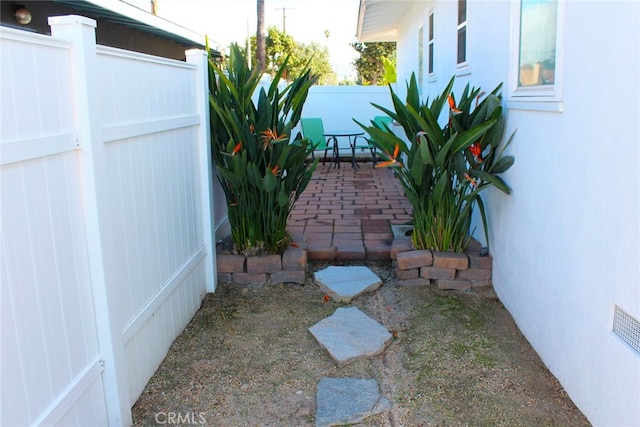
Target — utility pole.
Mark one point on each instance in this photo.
(284, 18)
(261, 55)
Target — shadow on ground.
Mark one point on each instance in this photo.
(457, 358)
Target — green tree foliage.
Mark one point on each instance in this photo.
(317, 58)
(370, 65)
(301, 56)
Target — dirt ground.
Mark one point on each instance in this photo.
(457, 359)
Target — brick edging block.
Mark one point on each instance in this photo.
(290, 267)
(448, 270)
(414, 259)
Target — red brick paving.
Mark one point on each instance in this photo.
(346, 213)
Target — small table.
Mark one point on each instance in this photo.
(353, 136)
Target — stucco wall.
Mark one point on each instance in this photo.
(566, 243)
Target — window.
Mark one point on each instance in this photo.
(535, 66)
(537, 52)
(430, 44)
(462, 31)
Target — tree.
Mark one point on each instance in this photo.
(279, 44)
(370, 64)
(260, 44)
(317, 58)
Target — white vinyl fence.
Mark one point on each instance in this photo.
(105, 230)
(339, 106)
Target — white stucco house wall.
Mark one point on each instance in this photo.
(566, 243)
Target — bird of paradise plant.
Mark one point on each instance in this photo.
(445, 168)
(261, 168)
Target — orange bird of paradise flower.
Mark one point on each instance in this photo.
(237, 148)
(269, 135)
(471, 180)
(393, 159)
(452, 104)
(476, 150)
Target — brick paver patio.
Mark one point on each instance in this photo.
(346, 213)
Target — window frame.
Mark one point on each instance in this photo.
(431, 53)
(462, 68)
(541, 97)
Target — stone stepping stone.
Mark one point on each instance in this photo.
(343, 401)
(349, 334)
(345, 283)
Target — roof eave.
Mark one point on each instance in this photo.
(131, 16)
(380, 20)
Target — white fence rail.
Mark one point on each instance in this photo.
(106, 242)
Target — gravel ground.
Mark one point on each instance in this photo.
(457, 359)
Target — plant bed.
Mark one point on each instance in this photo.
(260, 165)
(443, 170)
(446, 270)
(290, 267)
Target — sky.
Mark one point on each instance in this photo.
(227, 21)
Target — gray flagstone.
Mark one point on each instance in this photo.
(345, 283)
(349, 334)
(343, 401)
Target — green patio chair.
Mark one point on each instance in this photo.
(313, 129)
(366, 146)
(381, 122)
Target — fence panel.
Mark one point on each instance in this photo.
(51, 363)
(104, 222)
(154, 247)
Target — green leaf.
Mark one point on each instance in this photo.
(468, 137)
(460, 165)
(253, 175)
(431, 127)
(443, 155)
(425, 152)
(417, 167)
(502, 164)
(270, 181)
(495, 180)
(439, 102)
(229, 176)
(441, 185)
(283, 196)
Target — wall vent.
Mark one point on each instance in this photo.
(627, 328)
